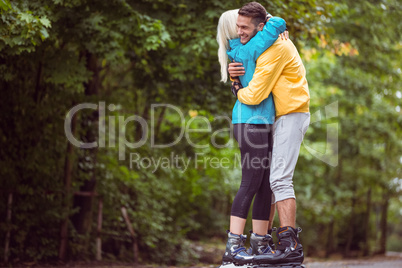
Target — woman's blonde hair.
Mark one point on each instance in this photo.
(227, 30)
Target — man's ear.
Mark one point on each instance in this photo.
(260, 26)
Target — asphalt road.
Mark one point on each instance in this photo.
(392, 260)
(356, 264)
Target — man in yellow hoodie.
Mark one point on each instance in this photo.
(280, 70)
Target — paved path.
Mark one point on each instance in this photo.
(394, 261)
(356, 264)
(390, 261)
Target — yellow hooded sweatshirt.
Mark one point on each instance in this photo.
(279, 70)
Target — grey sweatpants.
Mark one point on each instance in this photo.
(289, 132)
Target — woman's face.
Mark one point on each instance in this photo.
(246, 28)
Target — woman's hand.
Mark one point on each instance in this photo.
(237, 80)
(236, 86)
(268, 17)
(236, 69)
(285, 35)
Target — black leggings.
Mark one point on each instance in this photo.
(255, 142)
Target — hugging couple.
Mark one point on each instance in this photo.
(270, 118)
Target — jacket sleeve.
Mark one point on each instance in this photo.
(269, 68)
(264, 39)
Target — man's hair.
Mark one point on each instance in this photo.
(254, 10)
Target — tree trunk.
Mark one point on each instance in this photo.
(68, 169)
(352, 224)
(329, 247)
(145, 114)
(160, 119)
(383, 224)
(38, 82)
(366, 249)
(330, 236)
(132, 232)
(8, 222)
(83, 219)
(99, 231)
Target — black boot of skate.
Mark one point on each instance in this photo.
(271, 241)
(235, 251)
(289, 250)
(260, 244)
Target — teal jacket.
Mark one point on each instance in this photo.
(263, 113)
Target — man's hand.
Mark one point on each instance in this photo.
(285, 35)
(236, 69)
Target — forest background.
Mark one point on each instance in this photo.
(152, 65)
